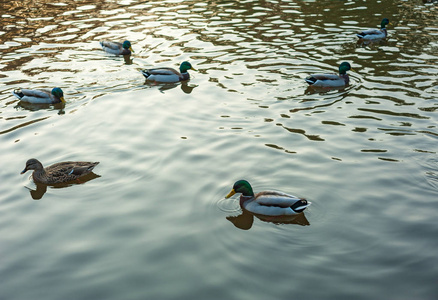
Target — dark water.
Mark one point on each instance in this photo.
(155, 225)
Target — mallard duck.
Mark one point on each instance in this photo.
(331, 80)
(42, 96)
(59, 172)
(168, 74)
(375, 34)
(117, 48)
(267, 203)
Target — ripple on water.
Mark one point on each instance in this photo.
(268, 230)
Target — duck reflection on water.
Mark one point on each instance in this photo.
(60, 107)
(361, 43)
(245, 220)
(185, 86)
(323, 90)
(41, 188)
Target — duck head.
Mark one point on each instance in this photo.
(58, 93)
(32, 164)
(185, 66)
(241, 186)
(344, 67)
(127, 45)
(385, 22)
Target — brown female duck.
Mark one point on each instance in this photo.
(59, 172)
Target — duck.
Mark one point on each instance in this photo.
(117, 48)
(375, 34)
(58, 172)
(169, 75)
(267, 203)
(331, 80)
(40, 96)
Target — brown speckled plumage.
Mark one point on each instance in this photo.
(59, 172)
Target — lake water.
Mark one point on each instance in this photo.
(153, 223)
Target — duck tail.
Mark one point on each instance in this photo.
(300, 205)
(90, 168)
(18, 93)
(79, 171)
(145, 73)
(361, 35)
(310, 80)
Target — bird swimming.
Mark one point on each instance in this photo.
(168, 75)
(267, 203)
(59, 172)
(40, 96)
(331, 80)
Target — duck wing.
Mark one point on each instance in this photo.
(277, 199)
(163, 71)
(34, 93)
(83, 170)
(370, 33)
(113, 48)
(111, 45)
(327, 78)
(271, 203)
(323, 77)
(70, 170)
(35, 96)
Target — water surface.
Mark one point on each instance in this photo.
(155, 224)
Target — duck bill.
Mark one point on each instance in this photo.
(194, 69)
(24, 171)
(62, 100)
(130, 48)
(230, 194)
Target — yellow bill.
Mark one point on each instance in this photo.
(230, 193)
